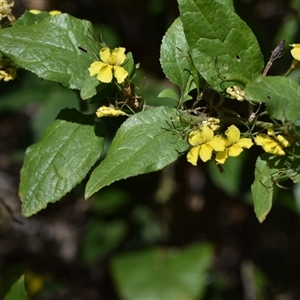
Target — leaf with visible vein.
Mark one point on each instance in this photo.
(54, 166)
(144, 143)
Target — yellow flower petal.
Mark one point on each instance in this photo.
(54, 12)
(205, 152)
(233, 135)
(35, 11)
(217, 143)
(235, 150)
(200, 136)
(119, 54)
(120, 73)
(95, 67)
(295, 51)
(245, 143)
(283, 141)
(193, 155)
(105, 54)
(105, 74)
(221, 156)
(269, 144)
(105, 111)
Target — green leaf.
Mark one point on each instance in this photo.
(100, 238)
(174, 58)
(144, 143)
(51, 49)
(161, 273)
(29, 18)
(228, 3)
(129, 65)
(17, 291)
(223, 48)
(262, 189)
(168, 93)
(69, 148)
(281, 95)
(88, 89)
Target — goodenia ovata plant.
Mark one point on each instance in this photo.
(208, 52)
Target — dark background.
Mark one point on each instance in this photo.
(49, 246)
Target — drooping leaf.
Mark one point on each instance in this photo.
(222, 46)
(162, 273)
(281, 95)
(262, 189)
(17, 291)
(58, 48)
(69, 148)
(144, 143)
(174, 58)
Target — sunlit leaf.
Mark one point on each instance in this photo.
(223, 47)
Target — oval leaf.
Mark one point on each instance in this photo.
(222, 46)
(281, 95)
(161, 273)
(174, 58)
(262, 189)
(144, 143)
(60, 160)
(52, 48)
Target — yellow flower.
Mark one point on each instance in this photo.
(236, 92)
(233, 144)
(110, 65)
(5, 10)
(204, 142)
(35, 11)
(295, 51)
(213, 123)
(52, 12)
(105, 111)
(8, 74)
(296, 61)
(271, 143)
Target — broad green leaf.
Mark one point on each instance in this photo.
(262, 189)
(17, 291)
(174, 58)
(161, 273)
(69, 148)
(281, 95)
(59, 48)
(223, 47)
(168, 93)
(144, 143)
(88, 89)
